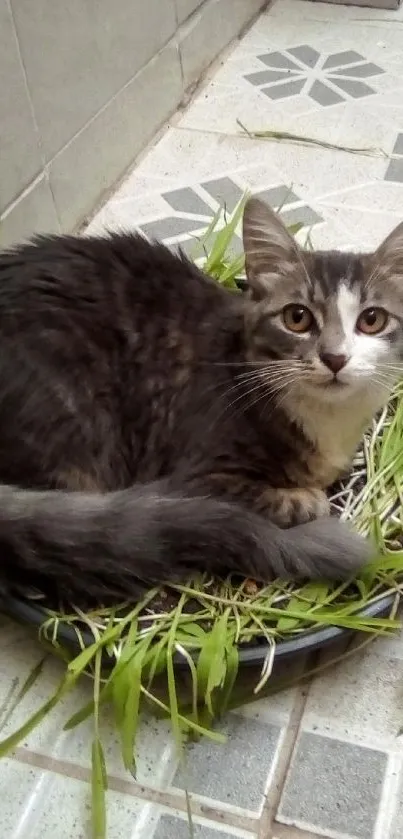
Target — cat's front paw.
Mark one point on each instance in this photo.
(289, 507)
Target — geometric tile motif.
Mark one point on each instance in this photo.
(394, 171)
(194, 208)
(327, 79)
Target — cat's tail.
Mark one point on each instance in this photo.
(108, 546)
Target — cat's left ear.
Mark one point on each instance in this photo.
(389, 255)
(270, 250)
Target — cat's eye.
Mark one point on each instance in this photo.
(372, 321)
(297, 318)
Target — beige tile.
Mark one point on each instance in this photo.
(78, 55)
(156, 759)
(20, 158)
(185, 8)
(102, 151)
(33, 212)
(20, 789)
(210, 30)
(359, 700)
(41, 805)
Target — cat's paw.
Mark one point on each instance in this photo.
(289, 507)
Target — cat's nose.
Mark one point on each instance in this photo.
(335, 363)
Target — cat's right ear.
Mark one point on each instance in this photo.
(270, 250)
(389, 254)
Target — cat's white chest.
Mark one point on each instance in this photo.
(336, 430)
(336, 437)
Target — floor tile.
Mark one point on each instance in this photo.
(181, 215)
(40, 805)
(367, 228)
(171, 826)
(391, 646)
(156, 758)
(343, 797)
(20, 788)
(19, 651)
(360, 700)
(378, 196)
(396, 831)
(238, 773)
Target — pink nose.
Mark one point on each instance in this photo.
(335, 363)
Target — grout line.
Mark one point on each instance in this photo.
(44, 169)
(24, 192)
(282, 831)
(176, 801)
(389, 801)
(286, 752)
(367, 210)
(26, 83)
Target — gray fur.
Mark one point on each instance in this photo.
(113, 545)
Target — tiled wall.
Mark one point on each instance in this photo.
(84, 86)
(376, 4)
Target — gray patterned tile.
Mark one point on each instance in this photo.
(187, 201)
(361, 71)
(283, 91)
(324, 95)
(340, 59)
(235, 772)
(307, 55)
(354, 89)
(341, 798)
(394, 171)
(224, 191)
(301, 215)
(193, 213)
(188, 247)
(278, 196)
(267, 76)
(398, 147)
(316, 76)
(277, 59)
(168, 228)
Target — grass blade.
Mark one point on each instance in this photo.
(10, 743)
(290, 137)
(212, 665)
(98, 789)
(32, 677)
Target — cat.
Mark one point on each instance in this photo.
(154, 424)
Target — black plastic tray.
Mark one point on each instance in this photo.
(252, 655)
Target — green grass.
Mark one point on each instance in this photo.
(205, 622)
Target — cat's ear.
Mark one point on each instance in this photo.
(270, 250)
(389, 255)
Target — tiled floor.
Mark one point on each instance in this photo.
(323, 759)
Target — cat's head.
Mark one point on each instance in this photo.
(334, 320)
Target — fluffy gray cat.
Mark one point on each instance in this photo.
(153, 424)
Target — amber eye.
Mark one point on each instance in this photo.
(372, 321)
(297, 318)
